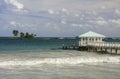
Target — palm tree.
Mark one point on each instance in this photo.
(27, 35)
(15, 32)
(22, 35)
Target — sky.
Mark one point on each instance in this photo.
(60, 18)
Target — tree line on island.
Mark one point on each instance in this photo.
(16, 33)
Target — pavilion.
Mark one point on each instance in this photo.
(90, 37)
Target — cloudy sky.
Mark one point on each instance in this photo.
(51, 18)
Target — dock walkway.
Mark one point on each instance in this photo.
(104, 46)
(96, 46)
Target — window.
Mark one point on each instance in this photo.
(96, 39)
(83, 39)
(90, 39)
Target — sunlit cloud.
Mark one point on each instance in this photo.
(15, 3)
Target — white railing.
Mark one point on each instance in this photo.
(105, 44)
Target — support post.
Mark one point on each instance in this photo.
(101, 49)
(96, 49)
(111, 50)
(105, 49)
(116, 51)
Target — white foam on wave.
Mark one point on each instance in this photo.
(62, 61)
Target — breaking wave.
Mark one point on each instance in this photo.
(62, 61)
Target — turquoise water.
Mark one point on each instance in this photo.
(41, 58)
(14, 45)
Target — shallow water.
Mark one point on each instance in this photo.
(59, 65)
(82, 71)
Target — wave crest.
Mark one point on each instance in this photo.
(62, 61)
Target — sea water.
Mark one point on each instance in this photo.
(41, 58)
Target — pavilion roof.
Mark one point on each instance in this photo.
(91, 34)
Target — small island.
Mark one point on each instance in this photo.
(27, 35)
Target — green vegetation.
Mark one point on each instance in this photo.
(23, 35)
(15, 32)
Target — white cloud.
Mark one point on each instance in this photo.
(64, 9)
(115, 21)
(101, 22)
(80, 25)
(21, 25)
(76, 25)
(15, 3)
(50, 11)
(13, 23)
(117, 11)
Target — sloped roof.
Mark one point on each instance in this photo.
(91, 34)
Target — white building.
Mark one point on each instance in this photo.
(90, 37)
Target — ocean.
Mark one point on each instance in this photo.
(42, 58)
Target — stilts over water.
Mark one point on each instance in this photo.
(92, 41)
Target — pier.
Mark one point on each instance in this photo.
(93, 42)
(110, 47)
(104, 46)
